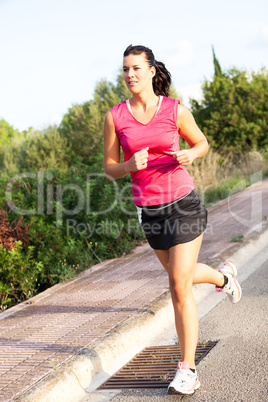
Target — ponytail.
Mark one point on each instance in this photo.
(162, 78)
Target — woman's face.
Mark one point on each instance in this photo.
(137, 73)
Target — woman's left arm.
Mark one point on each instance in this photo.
(192, 134)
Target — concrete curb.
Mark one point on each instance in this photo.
(69, 382)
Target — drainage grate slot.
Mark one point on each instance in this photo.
(153, 367)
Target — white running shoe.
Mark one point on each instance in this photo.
(185, 381)
(232, 288)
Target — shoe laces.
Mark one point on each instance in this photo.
(230, 285)
(182, 376)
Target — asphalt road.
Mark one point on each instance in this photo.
(236, 368)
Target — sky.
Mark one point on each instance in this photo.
(53, 52)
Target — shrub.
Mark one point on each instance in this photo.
(18, 274)
(233, 111)
(55, 243)
(12, 232)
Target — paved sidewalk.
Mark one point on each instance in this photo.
(41, 334)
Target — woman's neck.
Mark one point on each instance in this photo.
(144, 100)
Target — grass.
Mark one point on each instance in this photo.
(217, 177)
(224, 189)
(237, 238)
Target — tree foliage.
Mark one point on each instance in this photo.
(10, 138)
(7, 133)
(233, 112)
(217, 67)
(82, 126)
(36, 150)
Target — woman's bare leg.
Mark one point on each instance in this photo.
(182, 263)
(202, 274)
(205, 274)
(163, 256)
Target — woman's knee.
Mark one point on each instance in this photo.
(180, 288)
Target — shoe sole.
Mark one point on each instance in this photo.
(173, 391)
(234, 271)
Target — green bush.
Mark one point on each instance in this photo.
(62, 243)
(233, 111)
(18, 274)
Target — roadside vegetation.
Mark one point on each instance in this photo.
(59, 213)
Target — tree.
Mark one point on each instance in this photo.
(46, 149)
(10, 141)
(233, 112)
(82, 126)
(7, 133)
(34, 151)
(217, 67)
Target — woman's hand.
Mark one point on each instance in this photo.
(185, 157)
(139, 160)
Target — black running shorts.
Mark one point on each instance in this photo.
(176, 222)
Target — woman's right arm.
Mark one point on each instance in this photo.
(112, 165)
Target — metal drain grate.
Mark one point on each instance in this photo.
(153, 367)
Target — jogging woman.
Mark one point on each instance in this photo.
(147, 127)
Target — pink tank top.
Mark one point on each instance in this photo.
(164, 179)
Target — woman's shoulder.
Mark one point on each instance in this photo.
(117, 113)
(183, 111)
